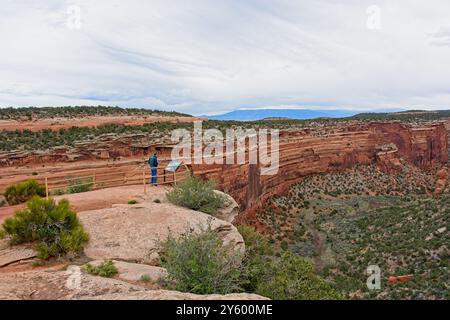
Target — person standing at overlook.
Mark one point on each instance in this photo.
(153, 163)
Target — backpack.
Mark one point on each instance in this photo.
(152, 161)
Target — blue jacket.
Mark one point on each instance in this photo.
(153, 161)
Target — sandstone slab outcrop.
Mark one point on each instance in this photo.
(231, 209)
(176, 295)
(133, 233)
(15, 254)
(56, 285)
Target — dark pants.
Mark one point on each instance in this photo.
(154, 179)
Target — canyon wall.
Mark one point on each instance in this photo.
(312, 151)
(106, 147)
(302, 152)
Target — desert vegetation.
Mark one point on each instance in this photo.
(345, 221)
(106, 269)
(23, 191)
(34, 113)
(198, 262)
(196, 194)
(52, 227)
(402, 240)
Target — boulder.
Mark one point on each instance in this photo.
(4, 244)
(441, 181)
(15, 254)
(230, 210)
(388, 158)
(69, 285)
(135, 271)
(134, 233)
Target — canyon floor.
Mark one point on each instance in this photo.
(346, 221)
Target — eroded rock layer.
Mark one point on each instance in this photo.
(309, 151)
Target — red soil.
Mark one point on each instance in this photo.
(60, 123)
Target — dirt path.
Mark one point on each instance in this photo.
(318, 250)
(318, 241)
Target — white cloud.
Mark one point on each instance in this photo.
(213, 56)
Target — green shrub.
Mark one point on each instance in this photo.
(196, 194)
(279, 274)
(58, 192)
(199, 263)
(157, 201)
(55, 228)
(291, 277)
(23, 191)
(132, 201)
(106, 269)
(79, 185)
(259, 252)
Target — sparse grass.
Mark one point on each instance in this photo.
(145, 278)
(80, 185)
(106, 269)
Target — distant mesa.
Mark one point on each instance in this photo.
(275, 119)
(275, 114)
(283, 114)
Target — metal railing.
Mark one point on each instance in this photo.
(100, 178)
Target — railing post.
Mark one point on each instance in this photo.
(46, 187)
(143, 180)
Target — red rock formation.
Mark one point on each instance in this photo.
(394, 279)
(441, 182)
(302, 152)
(307, 152)
(388, 159)
(106, 147)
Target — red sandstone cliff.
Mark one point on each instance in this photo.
(307, 152)
(302, 152)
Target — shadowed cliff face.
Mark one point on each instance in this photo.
(312, 151)
(422, 146)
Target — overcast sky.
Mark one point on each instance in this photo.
(211, 56)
